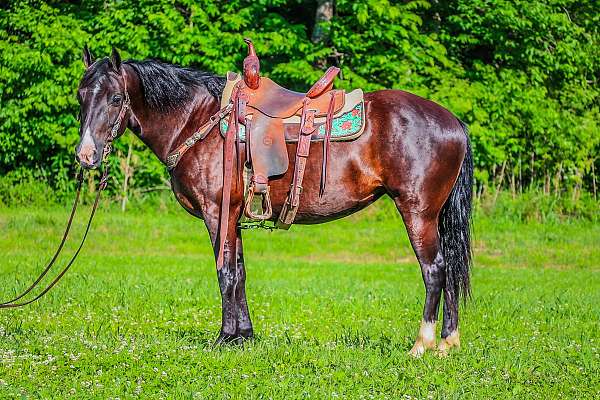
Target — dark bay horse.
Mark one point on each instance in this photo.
(413, 150)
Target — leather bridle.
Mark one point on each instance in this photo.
(116, 127)
(114, 132)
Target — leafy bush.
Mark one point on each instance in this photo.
(523, 74)
(23, 187)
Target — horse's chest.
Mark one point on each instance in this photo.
(185, 199)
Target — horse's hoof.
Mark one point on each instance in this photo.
(227, 339)
(448, 343)
(420, 348)
(235, 339)
(247, 334)
(417, 350)
(425, 339)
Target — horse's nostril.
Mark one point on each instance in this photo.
(86, 155)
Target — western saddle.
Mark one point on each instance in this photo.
(263, 106)
(267, 114)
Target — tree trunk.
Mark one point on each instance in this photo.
(577, 189)
(520, 177)
(128, 173)
(594, 180)
(499, 185)
(531, 172)
(546, 183)
(323, 16)
(513, 185)
(557, 180)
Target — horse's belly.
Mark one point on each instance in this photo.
(353, 182)
(329, 211)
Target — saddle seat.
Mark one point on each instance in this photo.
(271, 98)
(275, 101)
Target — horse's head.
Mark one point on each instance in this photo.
(104, 102)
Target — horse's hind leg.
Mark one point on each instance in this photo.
(450, 336)
(423, 234)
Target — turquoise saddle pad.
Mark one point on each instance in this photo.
(347, 126)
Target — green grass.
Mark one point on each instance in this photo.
(335, 308)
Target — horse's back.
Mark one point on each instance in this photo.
(415, 114)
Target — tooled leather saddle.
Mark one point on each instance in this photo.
(272, 115)
(264, 116)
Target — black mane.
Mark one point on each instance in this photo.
(166, 87)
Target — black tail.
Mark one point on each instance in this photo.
(455, 228)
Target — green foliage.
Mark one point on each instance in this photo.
(534, 205)
(523, 74)
(24, 187)
(532, 69)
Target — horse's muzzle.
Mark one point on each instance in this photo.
(88, 157)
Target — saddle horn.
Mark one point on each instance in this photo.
(251, 66)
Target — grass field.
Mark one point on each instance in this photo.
(335, 308)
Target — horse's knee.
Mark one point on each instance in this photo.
(227, 281)
(228, 274)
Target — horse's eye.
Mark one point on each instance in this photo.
(116, 99)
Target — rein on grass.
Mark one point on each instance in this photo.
(103, 182)
(113, 134)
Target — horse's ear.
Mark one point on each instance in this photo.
(88, 59)
(115, 59)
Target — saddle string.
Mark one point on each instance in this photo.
(326, 143)
(228, 154)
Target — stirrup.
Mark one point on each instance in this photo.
(263, 205)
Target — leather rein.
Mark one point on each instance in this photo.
(13, 303)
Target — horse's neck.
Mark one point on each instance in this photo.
(162, 132)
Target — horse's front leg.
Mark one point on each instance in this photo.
(235, 319)
(243, 315)
(227, 276)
